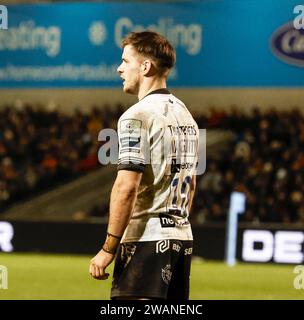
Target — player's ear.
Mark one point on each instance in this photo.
(146, 67)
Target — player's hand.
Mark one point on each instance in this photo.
(99, 263)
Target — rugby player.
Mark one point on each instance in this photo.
(148, 229)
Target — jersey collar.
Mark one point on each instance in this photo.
(159, 91)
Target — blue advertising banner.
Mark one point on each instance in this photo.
(236, 43)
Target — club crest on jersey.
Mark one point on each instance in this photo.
(130, 126)
(127, 252)
(166, 273)
(130, 131)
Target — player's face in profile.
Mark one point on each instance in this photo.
(129, 70)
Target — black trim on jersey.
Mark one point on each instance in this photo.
(131, 167)
(159, 91)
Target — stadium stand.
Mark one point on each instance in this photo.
(265, 160)
(40, 148)
(50, 152)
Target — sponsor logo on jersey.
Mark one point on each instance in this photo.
(162, 246)
(188, 251)
(166, 221)
(185, 130)
(176, 247)
(182, 223)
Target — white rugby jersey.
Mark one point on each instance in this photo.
(159, 137)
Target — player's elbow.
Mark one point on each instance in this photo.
(127, 183)
(126, 188)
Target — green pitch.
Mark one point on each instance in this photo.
(41, 276)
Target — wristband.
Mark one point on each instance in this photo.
(111, 244)
(108, 251)
(112, 235)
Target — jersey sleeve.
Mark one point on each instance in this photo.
(132, 140)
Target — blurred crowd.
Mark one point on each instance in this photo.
(41, 148)
(265, 160)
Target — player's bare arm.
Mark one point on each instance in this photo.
(122, 201)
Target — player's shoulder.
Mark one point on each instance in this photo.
(184, 108)
(179, 101)
(142, 110)
(130, 113)
(133, 118)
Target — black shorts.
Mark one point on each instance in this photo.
(153, 269)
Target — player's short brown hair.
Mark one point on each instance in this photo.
(154, 46)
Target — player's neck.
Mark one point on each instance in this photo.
(151, 85)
